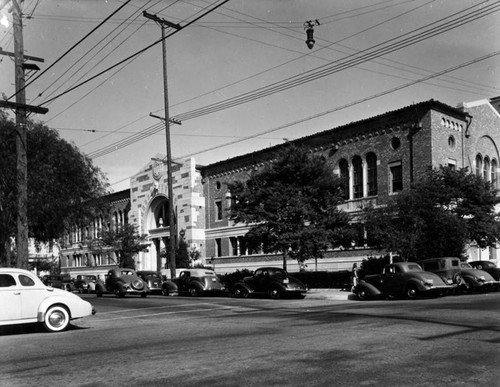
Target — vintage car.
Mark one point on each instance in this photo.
(448, 268)
(25, 299)
(195, 282)
(121, 282)
(271, 281)
(85, 283)
(488, 267)
(154, 280)
(59, 281)
(477, 280)
(401, 279)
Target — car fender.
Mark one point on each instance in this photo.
(370, 289)
(417, 282)
(170, 285)
(76, 306)
(244, 285)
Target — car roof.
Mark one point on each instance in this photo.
(15, 270)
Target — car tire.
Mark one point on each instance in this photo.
(165, 291)
(56, 319)
(193, 292)
(275, 293)
(362, 294)
(120, 292)
(240, 292)
(411, 291)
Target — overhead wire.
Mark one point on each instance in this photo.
(342, 64)
(427, 34)
(133, 55)
(71, 48)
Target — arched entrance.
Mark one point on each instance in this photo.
(157, 225)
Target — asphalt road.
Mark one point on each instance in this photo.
(182, 341)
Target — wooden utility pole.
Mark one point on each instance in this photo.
(171, 219)
(21, 144)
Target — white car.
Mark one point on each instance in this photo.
(25, 299)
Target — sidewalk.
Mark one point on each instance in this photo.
(330, 294)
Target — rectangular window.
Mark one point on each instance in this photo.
(452, 164)
(218, 210)
(234, 245)
(396, 177)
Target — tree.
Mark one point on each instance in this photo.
(182, 259)
(291, 206)
(124, 241)
(438, 216)
(61, 183)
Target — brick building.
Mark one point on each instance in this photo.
(377, 157)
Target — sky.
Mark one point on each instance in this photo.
(240, 76)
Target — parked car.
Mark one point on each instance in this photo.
(154, 280)
(85, 283)
(448, 268)
(59, 281)
(488, 267)
(25, 299)
(195, 282)
(477, 280)
(401, 279)
(121, 282)
(272, 281)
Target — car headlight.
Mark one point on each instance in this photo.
(429, 282)
(481, 278)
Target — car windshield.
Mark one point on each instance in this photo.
(488, 265)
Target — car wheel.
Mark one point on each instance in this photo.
(240, 292)
(137, 284)
(119, 290)
(412, 292)
(362, 294)
(56, 319)
(194, 292)
(165, 291)
(80, 290)
(275, 293)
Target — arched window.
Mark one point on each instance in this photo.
(486, 169)
(494, 167)
(479, 165)
(371, 163)
(344, 177)
(357, 165)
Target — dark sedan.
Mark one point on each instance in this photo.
(401, 279)
(488, 267)
(271, 281)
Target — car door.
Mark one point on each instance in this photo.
(183, 281)
(10, 298)
(32, 295)
(393, 280)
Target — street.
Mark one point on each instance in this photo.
(183, 341)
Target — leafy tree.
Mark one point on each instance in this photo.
(291, 204)
(125, 242)
(182, 259)
(61, 182)
(439, 215)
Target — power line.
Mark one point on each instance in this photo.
(133, 55)
(112, 148)
(73, 47)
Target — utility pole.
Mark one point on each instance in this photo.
(21, 144)
(171, 220)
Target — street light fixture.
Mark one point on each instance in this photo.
(309, 27)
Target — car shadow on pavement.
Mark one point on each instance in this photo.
(22, 329)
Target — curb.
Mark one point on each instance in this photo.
(330, 294)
